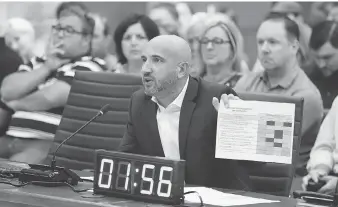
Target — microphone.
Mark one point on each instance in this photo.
(51, 175)
(102, 111)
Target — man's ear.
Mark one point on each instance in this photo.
(183, 69)
(88, 39)
(295, 46)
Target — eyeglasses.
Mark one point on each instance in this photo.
(214, 41)
(66, 31)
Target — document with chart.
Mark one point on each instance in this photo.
(256, 131)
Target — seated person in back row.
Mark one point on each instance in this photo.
(173, 116)
(278, 45)
(324, 154)
(38, 92)
(324, 45)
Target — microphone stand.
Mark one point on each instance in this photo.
(53, 163)
(52, 175)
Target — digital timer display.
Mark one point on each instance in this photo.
(139, 177)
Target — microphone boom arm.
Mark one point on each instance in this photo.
(53, 163)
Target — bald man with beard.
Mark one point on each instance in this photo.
(173, 116)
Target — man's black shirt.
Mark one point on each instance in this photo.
(328, 86)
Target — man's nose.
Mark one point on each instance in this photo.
(146, 68)
(265, 47)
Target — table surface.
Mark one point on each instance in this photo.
(63, 196)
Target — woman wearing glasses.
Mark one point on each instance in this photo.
(221, 49)
(130, 36)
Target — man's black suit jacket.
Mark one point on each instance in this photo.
(197, 136)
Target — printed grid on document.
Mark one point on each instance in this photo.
(274, 137)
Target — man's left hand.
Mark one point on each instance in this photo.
(330, 187)
(216, 103)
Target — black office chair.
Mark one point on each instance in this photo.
(275, 178)
(89, 92)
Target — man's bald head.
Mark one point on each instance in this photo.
(172, 45)
(166, 65)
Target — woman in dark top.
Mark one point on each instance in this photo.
(221, 48)
(130, 37)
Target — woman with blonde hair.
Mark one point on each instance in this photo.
(221, 49)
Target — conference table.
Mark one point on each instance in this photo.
(64, 196)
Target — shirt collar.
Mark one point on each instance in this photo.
(179, 99)
(285, 82)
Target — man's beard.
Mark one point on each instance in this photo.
(160, 86)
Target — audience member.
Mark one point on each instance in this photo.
(38, 92)
(324, 155)
(169, 102)
(277, 42)
(130, 37)
(165, 15)
(193, 34)
(221, 50)
(333, 14)
(101, 42)
(294, 11)
(324, 43)
(319, 12)
(20, 37)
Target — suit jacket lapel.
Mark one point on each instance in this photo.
(149, 117)
(187, 110)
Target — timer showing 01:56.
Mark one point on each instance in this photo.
(143, 179)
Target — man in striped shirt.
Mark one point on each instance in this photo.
(38, 92)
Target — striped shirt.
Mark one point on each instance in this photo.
(43, 124)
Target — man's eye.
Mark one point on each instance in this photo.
(156, 60)
(144, 59)
(272, 42)
(69, 30)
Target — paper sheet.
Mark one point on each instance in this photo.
(217, 198)
(255, 130)
(88, 178)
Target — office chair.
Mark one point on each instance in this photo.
(275, 178)
(89, 92)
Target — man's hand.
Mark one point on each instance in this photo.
(315, 175)
(225, 98)
(53, 55)
(330, 187)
